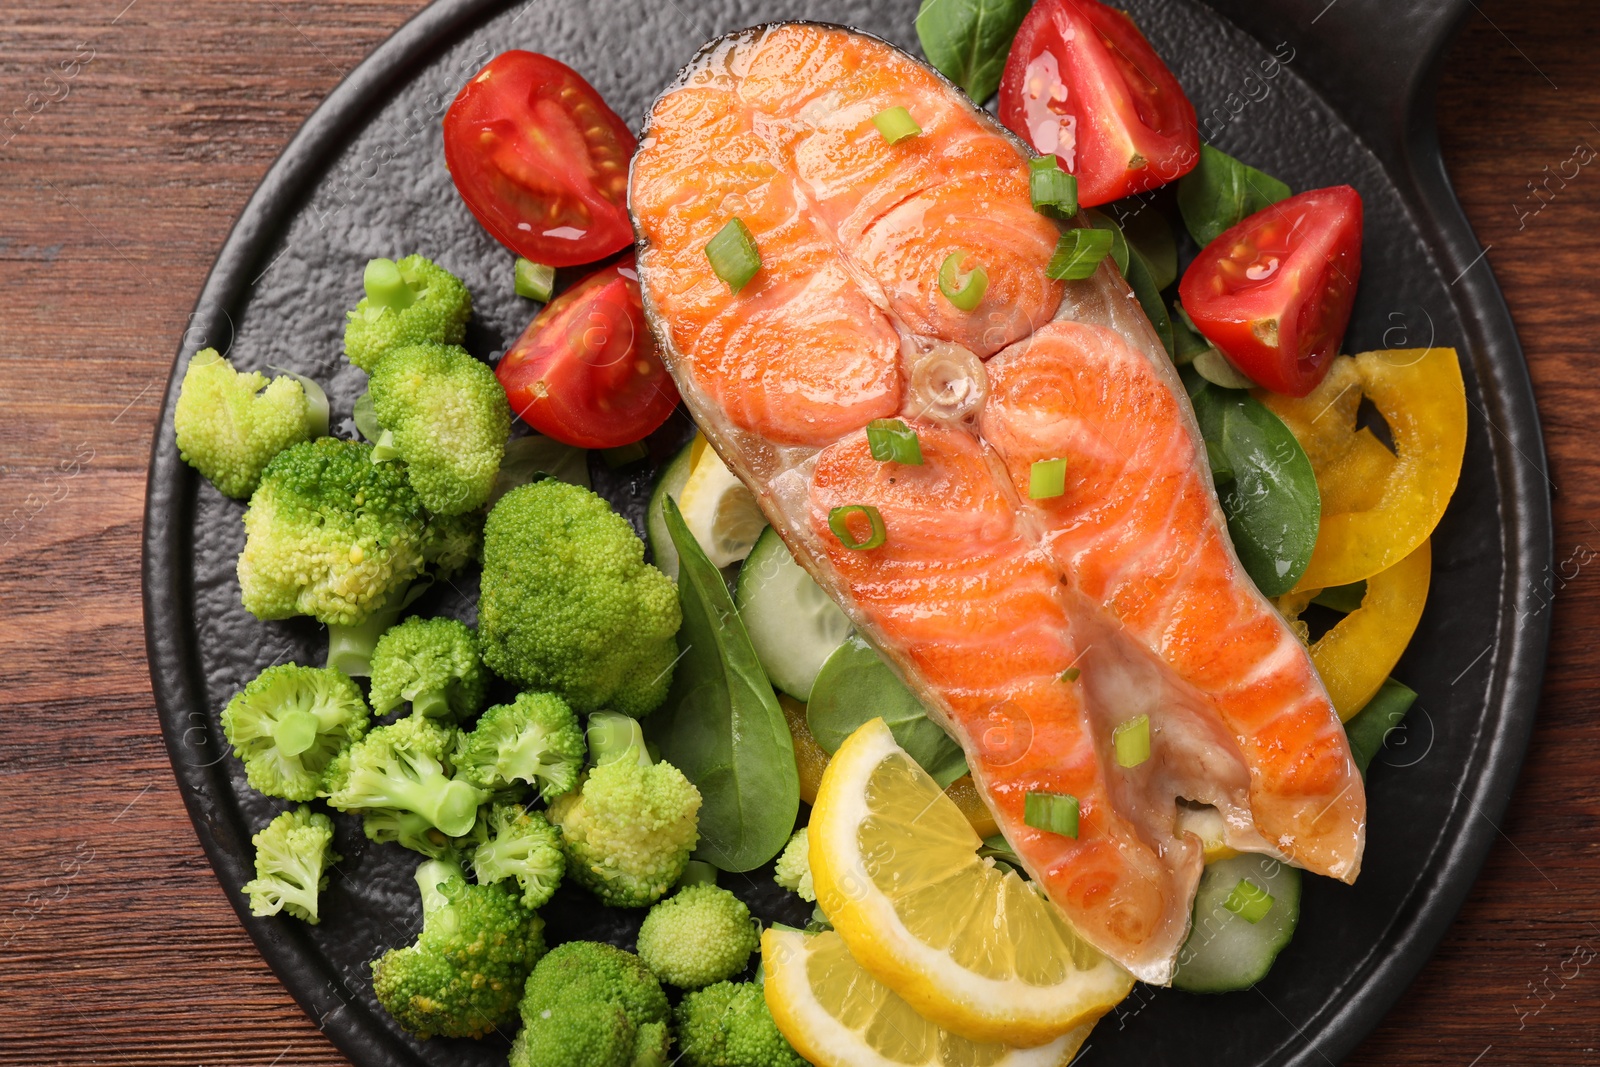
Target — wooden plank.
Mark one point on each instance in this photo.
(116, 943)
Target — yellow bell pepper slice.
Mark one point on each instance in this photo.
(1356, 655)
(1377, 507)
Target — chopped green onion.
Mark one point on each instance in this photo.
(295, 732)
(1071, 674)
(896, 124)
(623, 455)
(1132, 741)
(535, 280)
(839, 523)
(1249, 901)
(385, 286)
(965, 291)
(1047, 478)
(1345, 598)
(1054, 192)
(1078, 254)
(1056, 813)
(892, 439)
(733, 254)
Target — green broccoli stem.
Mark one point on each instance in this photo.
(295, 732)
(386, 286)
(437, 914)
(383, 450)
(613, 736)
(697, 872)
(451, 805)
(350, 647)
(431, 703)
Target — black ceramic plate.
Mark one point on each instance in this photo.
(1315, 94)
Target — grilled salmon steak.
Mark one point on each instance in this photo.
(1031, 628)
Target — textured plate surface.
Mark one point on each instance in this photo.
(366, 177)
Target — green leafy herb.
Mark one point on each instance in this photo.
(1056, 813)
(1119, 242)
(1214, 367)
(1053, 191)
(1369, 726)
(968, 40)
(1188, 342)
(896, 124)
(535, 281)
(1345, 598)
(892, 440)
(1150, 234)
(855, 686)
(1249, 901)
(529, 458)
(733, 254)
(1078, 254)
(1272, 502)
(1221, 192)
(721, 725)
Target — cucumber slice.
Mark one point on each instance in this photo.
(792, 623)
(1224, 951)
(668, 483)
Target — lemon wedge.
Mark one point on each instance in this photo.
(717, 507)
(974, 950)
(1208, 825)
(837, 1015)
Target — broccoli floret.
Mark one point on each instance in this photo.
(628, 830)
(447, 416)
(406, 828)
(229, 428)
(592, 1005)
(289, 723)
(465, 974)
(412, 302)
(534, 739)
(522, 845)
(568, 604)
(794, 866)
(434, 664)
(699, 935)
(612, 737)
(729, 1025)
(293, 854)
(405, 766)
(332, 535)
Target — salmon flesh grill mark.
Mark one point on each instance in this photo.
(984, 599)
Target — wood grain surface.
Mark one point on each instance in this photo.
(131, 135)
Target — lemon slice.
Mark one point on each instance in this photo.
(973, 949)
(717, 507)
(1208, 825)
(837, 1015)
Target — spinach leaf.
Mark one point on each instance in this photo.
(1140, 275)
(1221, 192)
(721, 725)
(529, 458)
(856, 686)
(1369, 726)
(1150, 234)
(968, 40)
(1265, 482)
(1343, 598)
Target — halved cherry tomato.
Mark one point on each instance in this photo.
(1082, 82)
(1274, 292)
(541, 160)
(587, 370)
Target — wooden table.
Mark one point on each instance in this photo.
(118, 182)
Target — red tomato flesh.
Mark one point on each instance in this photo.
(1082, 82)
(587, 370)
(1274, 293)
(540, 160)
